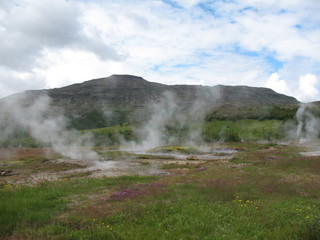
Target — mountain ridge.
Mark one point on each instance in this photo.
(114, 84)
(127, 94)
(120, 90)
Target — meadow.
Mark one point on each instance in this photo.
(265, 191)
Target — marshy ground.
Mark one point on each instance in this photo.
(230, 191)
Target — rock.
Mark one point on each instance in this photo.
(5, 173)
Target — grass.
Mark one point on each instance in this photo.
(177, 166)
(247, 130)
(29, 207)
(184, 212)
(175, 149)
(272, 194)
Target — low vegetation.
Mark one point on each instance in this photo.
(211, 131)
(97, 118)
(247, 130)
(266, 191)
(263, 191)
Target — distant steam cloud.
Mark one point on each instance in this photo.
(308, 124)
(44, 123)
(153, 133)
(172, 122)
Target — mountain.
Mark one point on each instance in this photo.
(126, 91)
(124, 94)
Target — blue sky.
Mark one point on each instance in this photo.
(263, 43)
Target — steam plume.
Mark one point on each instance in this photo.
(45, 123)
(172, 122)
(308, 124)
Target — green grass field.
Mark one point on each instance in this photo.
(243, 130)
(266, 191)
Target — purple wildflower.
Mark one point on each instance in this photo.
(201, 169)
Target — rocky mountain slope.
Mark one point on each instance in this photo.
(124, 94)
(126, 91)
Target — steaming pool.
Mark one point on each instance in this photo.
(312, 148)
(160, 162)
(130, 162)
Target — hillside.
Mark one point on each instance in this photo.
(86, 103)
(126, 91)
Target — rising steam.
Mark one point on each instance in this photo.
(44, 123)
(172, 122)
(308, 124)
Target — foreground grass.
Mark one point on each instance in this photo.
(29, 207)
(265, 192)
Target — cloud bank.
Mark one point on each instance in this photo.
(270, 43)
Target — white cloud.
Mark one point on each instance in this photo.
(40, 24)
(305, 91)
(67, 66)
(308, 88)
(61, 42)
(188, 3)
(11, 81)
(274, 32)
(278, 85)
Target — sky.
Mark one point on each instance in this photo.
(260, 43)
